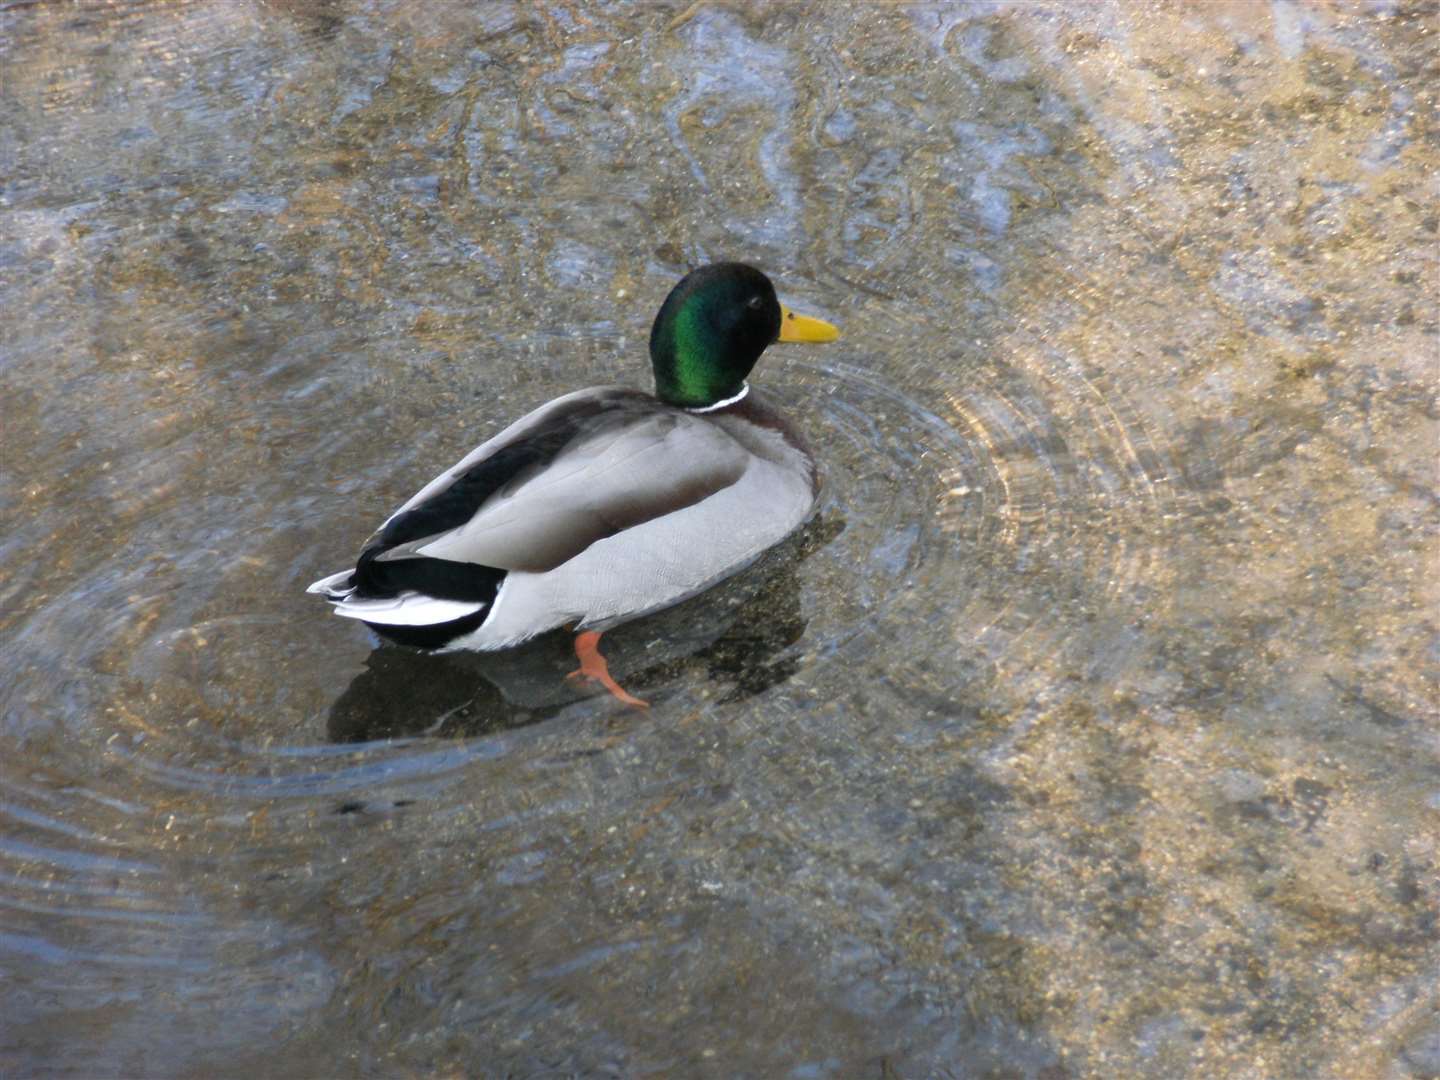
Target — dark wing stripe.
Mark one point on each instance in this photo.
(456, 504)
(559, 522)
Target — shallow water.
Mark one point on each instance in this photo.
(1090, 728)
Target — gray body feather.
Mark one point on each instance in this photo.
(636, 505)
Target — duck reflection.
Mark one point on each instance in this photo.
(734, 635)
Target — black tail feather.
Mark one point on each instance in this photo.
(376, 578)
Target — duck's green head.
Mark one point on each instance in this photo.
(713, 327)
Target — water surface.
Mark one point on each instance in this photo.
(1089, 729)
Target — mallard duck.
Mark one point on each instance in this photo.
(605, 504)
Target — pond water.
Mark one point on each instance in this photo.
(1091, 727)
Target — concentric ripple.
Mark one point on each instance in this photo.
(1016, 521)
(1009, 521)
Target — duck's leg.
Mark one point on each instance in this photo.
(593, 667)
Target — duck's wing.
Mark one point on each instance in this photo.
(579, 470)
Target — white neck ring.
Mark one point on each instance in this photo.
(744, 389)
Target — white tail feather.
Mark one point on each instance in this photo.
(407, 609)
(332, 586)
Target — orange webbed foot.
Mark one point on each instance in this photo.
(593, 667)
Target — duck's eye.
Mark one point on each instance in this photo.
(755, 303)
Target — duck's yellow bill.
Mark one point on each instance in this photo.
(803, 328)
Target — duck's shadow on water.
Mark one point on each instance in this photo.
(735, 636)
